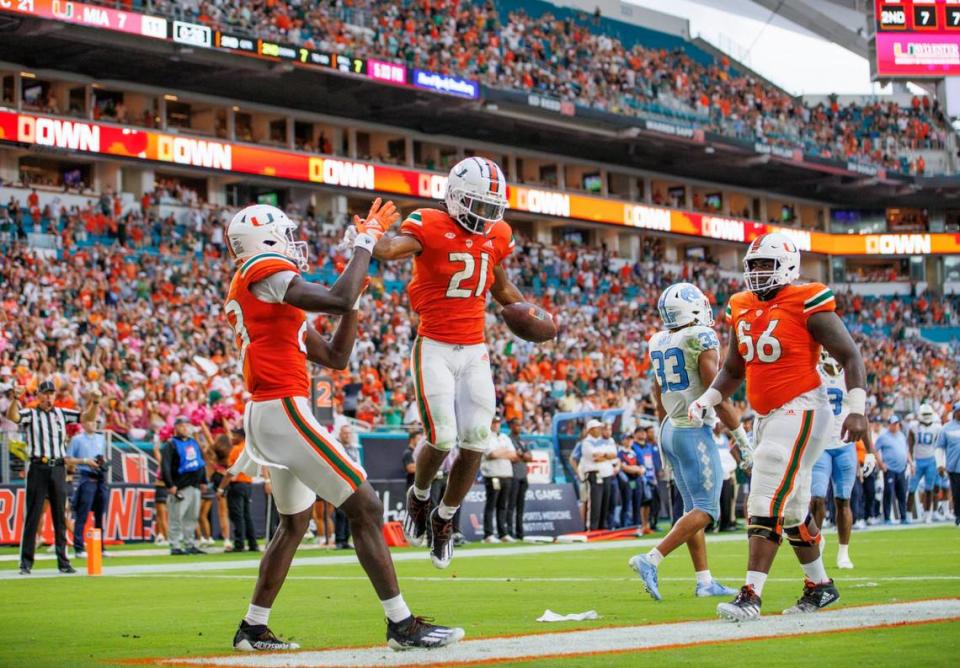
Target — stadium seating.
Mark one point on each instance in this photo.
(593, 61)
(111, 270)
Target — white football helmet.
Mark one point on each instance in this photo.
(785, 255)
(926, 415)
(828, 363)
(683, 304)
(262, 228)
(476, 193)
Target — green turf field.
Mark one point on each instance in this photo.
(71, 620)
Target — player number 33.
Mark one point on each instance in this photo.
(766, 348)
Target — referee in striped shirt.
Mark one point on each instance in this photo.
(46, 435)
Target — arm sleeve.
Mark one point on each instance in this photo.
(267, 266)
(586, 453)
(413, 226)
(273, 288)
(817, 299)
(504, 241)
(72, 448)
(166, 464)
(70, 416)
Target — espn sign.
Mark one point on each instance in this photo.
(899, 244)
(195, 152)
(70, 135)
(342, 173)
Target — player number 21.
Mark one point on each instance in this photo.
(465, 274)
(767, 347)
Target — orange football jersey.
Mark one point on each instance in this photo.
(780, 353)
(453, 274)
(272, 337)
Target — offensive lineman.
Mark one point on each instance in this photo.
(457, 255)
(838, 462)
(685, 358)
(778, 330)
(923, 444)
(265, 307)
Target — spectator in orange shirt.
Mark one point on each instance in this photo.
(238, 489)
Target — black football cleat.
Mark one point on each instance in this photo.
(67, 570)
(745, 607)
(441, 540)
(24, 570)
(815, 596)
(418, 632)
(415, 522)
(259, 638)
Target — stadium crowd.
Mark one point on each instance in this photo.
(574, 60)
(135, 314)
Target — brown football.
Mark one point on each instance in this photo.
(529, 322)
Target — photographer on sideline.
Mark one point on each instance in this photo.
(185, 475)
(87, 451)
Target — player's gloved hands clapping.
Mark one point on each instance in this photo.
(382, 216)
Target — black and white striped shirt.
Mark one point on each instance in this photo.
(46, 431)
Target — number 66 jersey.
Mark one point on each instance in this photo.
(452, 275)
(781, 355)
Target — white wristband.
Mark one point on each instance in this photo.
(740, 438)
(711, 397)
(857, 399)
(365, 241)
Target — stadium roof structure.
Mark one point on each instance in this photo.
(509, 118)
(843, 22)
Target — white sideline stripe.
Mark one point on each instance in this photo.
(177, 566)
(426, 578)
(603, 640)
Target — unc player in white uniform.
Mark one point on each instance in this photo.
(922, 441)
(838, 461)
(685, 358)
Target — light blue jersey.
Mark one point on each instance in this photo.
(693, 456)
(949, 443)
(675, 357)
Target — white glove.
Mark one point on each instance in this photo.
(349, 237)
(698, 409)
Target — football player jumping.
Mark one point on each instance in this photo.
(265, 306)
(457, 261)
(778, 330)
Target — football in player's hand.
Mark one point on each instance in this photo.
(529, 322)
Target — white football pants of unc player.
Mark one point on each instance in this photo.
(455, 396)
(789, 442)
(304, 458)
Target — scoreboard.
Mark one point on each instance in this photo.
(917, 38)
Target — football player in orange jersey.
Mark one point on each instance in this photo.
(778, 329)
(457, 255)
(266, 307)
